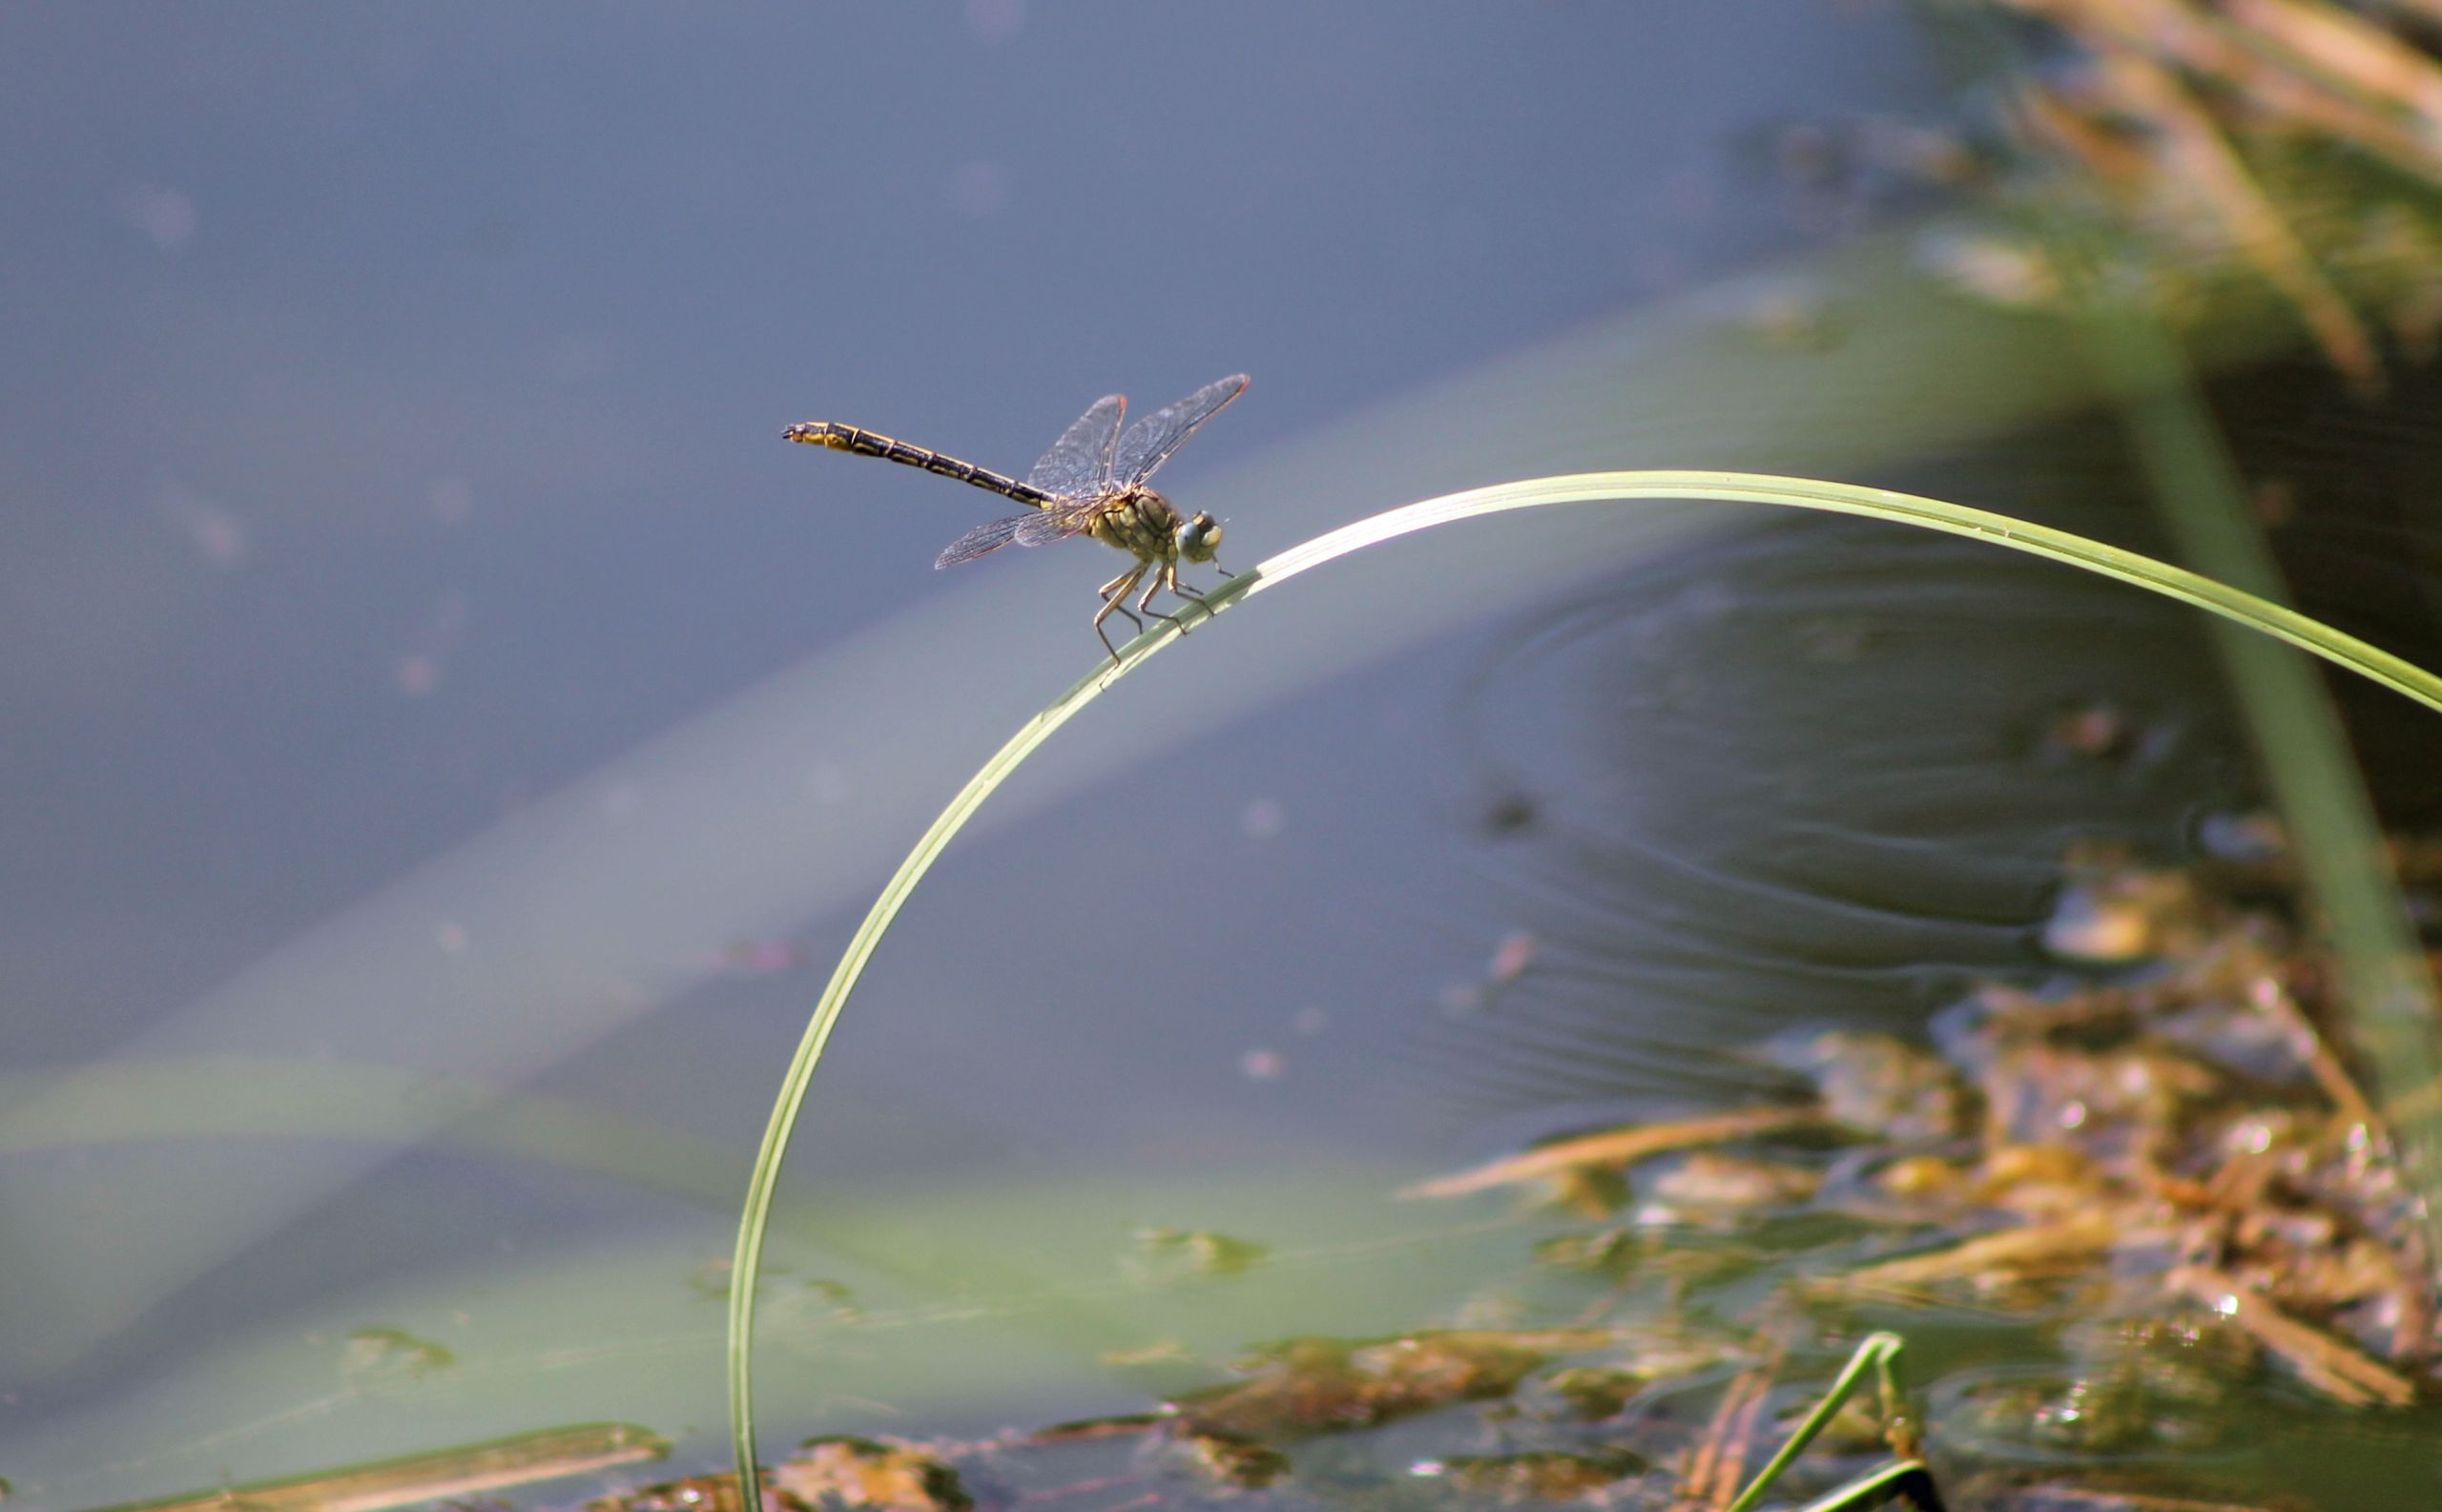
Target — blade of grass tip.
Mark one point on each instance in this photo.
(1802, 493)
(1874, 1354)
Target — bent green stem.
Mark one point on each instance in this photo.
(1800, 493)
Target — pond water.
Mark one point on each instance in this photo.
(453, 734)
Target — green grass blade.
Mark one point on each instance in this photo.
(1801, 493)
(2303, 752)
(1908, 1477)
(1875, 1355)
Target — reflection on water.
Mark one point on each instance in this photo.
(1819, 770)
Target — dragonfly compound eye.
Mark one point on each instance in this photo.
(1200, 538)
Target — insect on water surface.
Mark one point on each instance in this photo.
(1090, 482)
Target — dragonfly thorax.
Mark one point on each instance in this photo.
(1150, 527)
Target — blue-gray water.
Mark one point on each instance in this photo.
(389, 454)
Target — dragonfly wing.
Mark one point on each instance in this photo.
(1151, 441)
(1058, 522)
(983, 540)
(1079, 461)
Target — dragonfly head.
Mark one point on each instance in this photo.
(1199, 538)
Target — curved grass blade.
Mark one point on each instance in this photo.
(2308, 634)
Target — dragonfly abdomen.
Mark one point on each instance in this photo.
(870, 443)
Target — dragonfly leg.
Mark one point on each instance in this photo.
(1118, 587)
(1115, 599)
(1115, 595)
(1171, 581)
(1168, 578)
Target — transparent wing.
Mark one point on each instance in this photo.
(1059, 522)
(1151, 441)
(1079, 461)
(983, 540)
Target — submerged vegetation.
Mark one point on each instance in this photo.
(2154, 1178)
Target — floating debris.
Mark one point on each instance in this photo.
(1882, 1087)
(1532, 1474)
(2346, 1375)
(888, 1476)
(1615, 1149)
(1302, 1387)
(2157, 1168)
(1231, 1461)
(1593, 1392)
(1167, 1254)
(458, 1472)
(1510, 958)
(378, 1352)
(1710, 1186)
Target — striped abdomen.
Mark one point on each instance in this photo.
(868, 444)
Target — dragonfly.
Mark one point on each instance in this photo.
(1090, 482)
